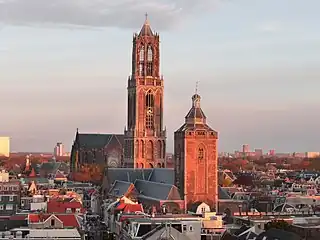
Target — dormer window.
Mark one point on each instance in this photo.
(68, 210)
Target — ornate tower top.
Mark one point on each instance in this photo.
(195, 114)
(146, 29)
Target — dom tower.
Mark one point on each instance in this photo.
(145, 137)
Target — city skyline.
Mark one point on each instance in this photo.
(256, 63)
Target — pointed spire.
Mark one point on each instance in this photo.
(146, 29)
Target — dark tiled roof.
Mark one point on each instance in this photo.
(192, 127)
(50, 166)
(127, 174)
(279, 234)
(119, 188)
(10, 224)
(222, 194)
(36, 180)
(162, 175)
(93, 140)
(153, 190)
(195, 113)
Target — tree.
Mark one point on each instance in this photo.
(278, 224)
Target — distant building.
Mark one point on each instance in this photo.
(312, 154)
(59, 150)
(245, 148)
(272, 152)
(258, 152)
(5, 146)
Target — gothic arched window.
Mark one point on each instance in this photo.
(142, 149)
(149, 150)
(149, 109)
(141, 54)
(137, 149)
(158, 149)
(150, 54)
(141, 60)
(150, 61)
(201, 153)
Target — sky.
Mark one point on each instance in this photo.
(64, 65)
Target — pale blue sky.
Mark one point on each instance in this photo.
(64, 66)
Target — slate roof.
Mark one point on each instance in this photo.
(222, 194)
(127, 174)
(53, 167)
(162, 175)
(36, 180)
(154, 190)
(119, 188)
(131, 175)
(95, 140)
(279, 234)
(10, 224)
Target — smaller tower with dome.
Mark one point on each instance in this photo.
(196, 162)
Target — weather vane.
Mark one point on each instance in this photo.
(197, 84)
(146, 16)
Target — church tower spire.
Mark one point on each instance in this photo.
(145, 138)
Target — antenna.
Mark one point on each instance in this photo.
(146, 15)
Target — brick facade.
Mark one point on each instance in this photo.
(145, 138)
(196, 162)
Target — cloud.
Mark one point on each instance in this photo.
(269, 27)
(100, 13)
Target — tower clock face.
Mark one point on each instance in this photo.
(149, 111)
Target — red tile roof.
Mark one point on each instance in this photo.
(56, 206)
(129, 208)
(68, 220)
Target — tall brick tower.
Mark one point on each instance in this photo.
(196, 162)
(145, 137)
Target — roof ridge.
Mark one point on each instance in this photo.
(158, 183)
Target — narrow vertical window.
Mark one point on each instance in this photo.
(149, 109)
(150, 54)
(200, 153)
(141, 61)
(150, 61)
(141, 54)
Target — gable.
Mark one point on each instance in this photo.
(53, 217)
(174, 194)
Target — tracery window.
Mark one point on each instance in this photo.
(141, 54)
(150, 54)
(141, 60)
(150, 61)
